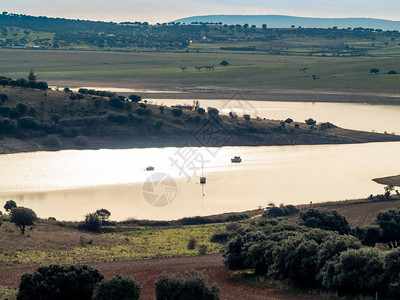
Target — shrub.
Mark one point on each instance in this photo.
(289, 120)
(52, 141)
(192, 286)
(59, 283)
(310, 122)
(368, 235)
(118, 118)
(212, 112)
(117, 103)
(135, 98)
(27, 122)
(140, 111)
(192, 244)
(92, 223)
(81, 140)
(22, 108)
(3, 98)
(56, 118)
(220, 238)
(392, 72)
(203, 249)
(246, 117)
(162, 109)
(119, 287)
(201, 111)
(159, 124)
(103, 214)
(232, 226)
(22, 217)
(177, 112)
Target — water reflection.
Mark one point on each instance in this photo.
(68, 184)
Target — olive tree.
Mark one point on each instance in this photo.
(10, 204)
(119, 287)
(22, 217)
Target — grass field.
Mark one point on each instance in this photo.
(49, 243)
(246, 70)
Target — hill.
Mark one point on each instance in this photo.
(34, 119)
(278, 21)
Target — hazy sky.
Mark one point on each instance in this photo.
(167, 10)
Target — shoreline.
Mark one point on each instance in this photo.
(14, 145)
(215, 92)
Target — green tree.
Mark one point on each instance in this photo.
(92, 223)
(356, 271)
(32, 76)
(10, 204)
(389, 223)
(22, 217)
(59, 283)
(392, 263)
(119, 287)
(326, 220)
(374, 71)
(192, 286)
(224, 63)
(103, 214)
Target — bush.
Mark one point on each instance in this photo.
(220, 238)
(120, 287)
(212, 112)
(22, 217)
(92, 223)
(369, 235)
(81, 140)
(117, 103)
(192, 286)
(201, 111)
(3, 98)
(22, 108)
(192, 244)
(233, 226)
(135, 98)
(310, 122)
(52, 141)
(159, 124)
(118, 118)
(177, 112)
(59, 283)
(27, 122)
(392, 72)
(203, 249)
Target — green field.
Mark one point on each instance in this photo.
(246, 70)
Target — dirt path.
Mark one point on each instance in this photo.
(146, 271)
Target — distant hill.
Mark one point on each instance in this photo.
(276, 21)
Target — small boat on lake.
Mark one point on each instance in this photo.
(236, 159)
(203, 180)
(150, 168)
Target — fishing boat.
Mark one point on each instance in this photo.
(202, 180)
(236, 159)
(150, 168)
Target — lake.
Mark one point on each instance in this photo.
(68, 184)
(366, 117)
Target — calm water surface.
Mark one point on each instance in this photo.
(364, 117)
(68, 184)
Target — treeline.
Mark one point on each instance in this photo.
(69, 33)
(322, 251)
(22, 82)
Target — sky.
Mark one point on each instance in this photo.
(154, 11)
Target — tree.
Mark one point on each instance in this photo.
(135, 98)
(310, 122)
(224, 63)
(10, 204)
(264, 26)
(246, 117)
(177, 112)
(103, 214)
(374, 71)
(59, 283)
(92, 223)
(32, 76)
(22, 217)
(326, 220)
(356, 271)
(212, 112)
(392, 72)
(392, 263)
(389, 223)
(192, 286)
(119, 287)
